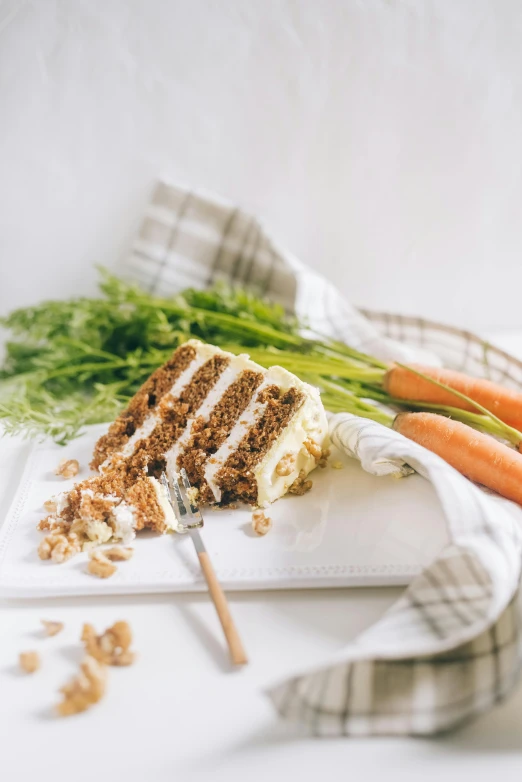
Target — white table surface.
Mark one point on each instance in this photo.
(180, 713)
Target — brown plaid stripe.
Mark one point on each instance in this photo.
(451, 646)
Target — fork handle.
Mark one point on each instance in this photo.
(235, 646)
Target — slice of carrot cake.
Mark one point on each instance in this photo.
(243, 433)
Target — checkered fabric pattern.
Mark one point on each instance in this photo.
(451, 646)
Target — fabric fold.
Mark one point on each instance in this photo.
(451, 645)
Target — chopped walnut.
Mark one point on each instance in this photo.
(50, 505)
(313, 448)
(112, 647)
(286, 464)
(100, 566)
(86, 689)
(52, 628)
(325, 455)
(58, 548)
(300, 485)
(29, 661)
(118, 553)
(337, 465)
(261, 524)
(68, 468)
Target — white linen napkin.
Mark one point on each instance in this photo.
(450, 647)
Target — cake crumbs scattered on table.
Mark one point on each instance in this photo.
(85, 689)
(52, 628)
(29, 661)
(261, 524)
(68, 468)
(111, 647)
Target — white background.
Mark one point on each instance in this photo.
(379, 140)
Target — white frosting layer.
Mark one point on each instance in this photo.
(237, 365)
(164, 503)
(124, 522)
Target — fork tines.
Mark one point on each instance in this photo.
(185, 503)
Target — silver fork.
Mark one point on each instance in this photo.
(190, 521)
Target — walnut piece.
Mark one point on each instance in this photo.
(100, 566)
(58, 548)
(68, 468)
(325, 455)
(50, 505)
(29, 661)
(52, 628)
(313, 448)
(112, 647)
(86, 689)
(286, 464)
(300, 485)
(261, 524)
(118, 553)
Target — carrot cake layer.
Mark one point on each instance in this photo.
(242, 432)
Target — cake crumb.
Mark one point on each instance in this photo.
(112, 646)
(286, 464)
(29, 661)
(300, 486)
(100, 566)
(118, 553)
(192, 495)
(86, 689)
(68, 468)
(52, 628)
(58, 547)
(261, 524)
(313, 449)
(337, 465)
(53, 524)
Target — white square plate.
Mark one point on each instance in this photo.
(351, 529)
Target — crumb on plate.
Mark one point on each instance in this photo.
(337, 465)
(68, 468)
(118, 553)
(100, 566)
(261, 524)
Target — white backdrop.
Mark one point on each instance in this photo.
(381, 141)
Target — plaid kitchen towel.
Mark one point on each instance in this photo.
(451, 646)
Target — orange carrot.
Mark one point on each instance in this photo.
(478, 456)
(503, 402)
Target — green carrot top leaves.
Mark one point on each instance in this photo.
(76, 362)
